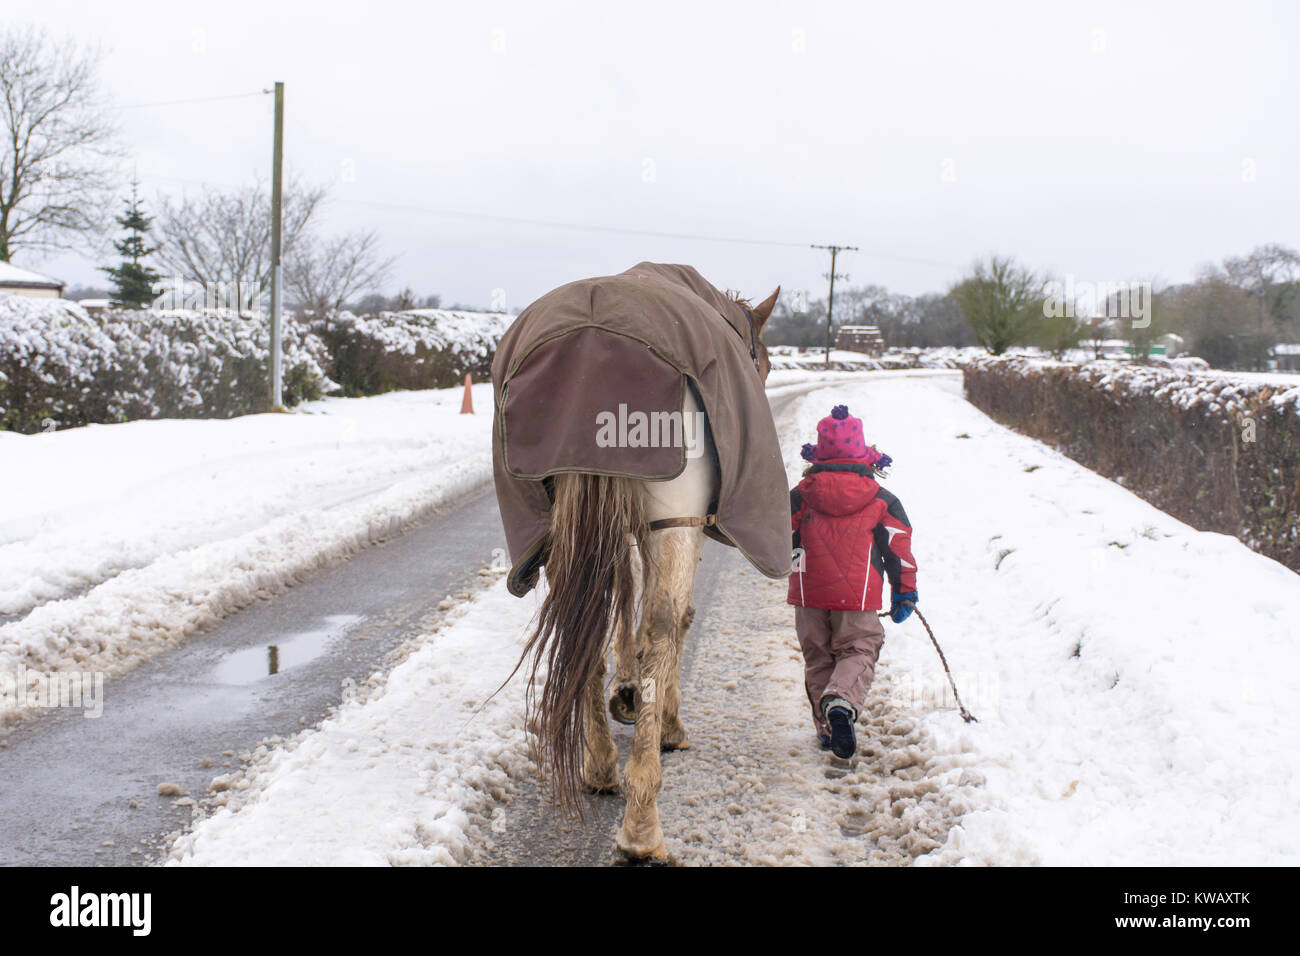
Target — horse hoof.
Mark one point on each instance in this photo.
(666, 745)
(598, 791)
(599, 777)
(624, 702)
(633, 857)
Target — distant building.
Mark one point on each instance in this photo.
(1120, 348)
(15, 281)
(860, 338)
(95, 306)
(1287, 357)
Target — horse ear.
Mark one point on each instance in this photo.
(763, 310)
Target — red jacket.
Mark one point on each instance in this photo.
(849, 535)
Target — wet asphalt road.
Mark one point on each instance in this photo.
(67, 783)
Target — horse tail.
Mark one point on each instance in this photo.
(595, 522)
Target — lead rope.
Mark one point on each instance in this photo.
(966, 715)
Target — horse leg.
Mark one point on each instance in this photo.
(623, 697)
(673, 735)
(674, 556)
(599, 755)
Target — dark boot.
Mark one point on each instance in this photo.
(844, 743)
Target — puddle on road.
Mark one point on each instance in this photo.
(258, 663)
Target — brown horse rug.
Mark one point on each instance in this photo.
(591, 378)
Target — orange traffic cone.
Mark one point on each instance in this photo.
(467, 403)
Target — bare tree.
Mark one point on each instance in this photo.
(1221, 320)
(323, 274)
(1271, 273)
(223, 238)
(57, 174)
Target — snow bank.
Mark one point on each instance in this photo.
(118, 540)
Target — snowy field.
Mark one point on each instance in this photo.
(118, 540)
(1136, 683)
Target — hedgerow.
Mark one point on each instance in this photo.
(1220, 453)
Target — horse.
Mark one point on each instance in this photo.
(621, 549)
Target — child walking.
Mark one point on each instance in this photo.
(849, 535)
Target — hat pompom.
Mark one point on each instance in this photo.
(808, 452)
(840, 412)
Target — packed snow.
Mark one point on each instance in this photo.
(405, 774)
(1135, 680)
(118, 540)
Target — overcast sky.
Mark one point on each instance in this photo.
(1104, 140)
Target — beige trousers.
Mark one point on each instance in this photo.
(840, 649)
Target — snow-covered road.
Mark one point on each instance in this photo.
(1135, 680)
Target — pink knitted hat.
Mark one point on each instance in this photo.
(839, 438)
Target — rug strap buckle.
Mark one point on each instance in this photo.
(708, 521)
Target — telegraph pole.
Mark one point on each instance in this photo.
(830, 303)
(277, 169)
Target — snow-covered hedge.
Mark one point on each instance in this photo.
(1220, 453)
(61, 366)
(788, 357)
(422, 348)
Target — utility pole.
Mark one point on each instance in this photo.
(277, 170)
(830, 303)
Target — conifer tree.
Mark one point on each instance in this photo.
(133, 280)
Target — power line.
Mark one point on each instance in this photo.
(197, 99)
(584, 227)
(591, 227)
